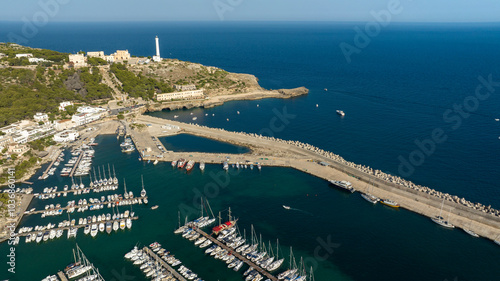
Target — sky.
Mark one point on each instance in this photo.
(250, 10)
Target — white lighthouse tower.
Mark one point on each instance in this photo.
(157, 58)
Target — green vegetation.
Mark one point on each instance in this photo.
(138, 85)
(96, 61)
(137, 126)
(10, 51)
(41, 144)
(20, 169)
(95, 89)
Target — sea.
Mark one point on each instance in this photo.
(420, 99)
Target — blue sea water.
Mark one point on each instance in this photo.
(395, 93)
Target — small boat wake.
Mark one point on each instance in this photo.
(295, 209)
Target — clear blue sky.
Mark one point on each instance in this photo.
(250, 10)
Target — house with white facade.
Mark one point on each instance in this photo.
(62, 105)
(66, 136)
(39, 116)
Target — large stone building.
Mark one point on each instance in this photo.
(99, 54)
(121, 55)
(78, 60)
(180, 95)
(66, 136)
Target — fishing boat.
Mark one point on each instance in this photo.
(286, 207)
(190, 165)
(181, 163)
(344, 185)
(390, 203)
(341, 113)
(174, 163)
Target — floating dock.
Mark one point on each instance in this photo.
(76, 165)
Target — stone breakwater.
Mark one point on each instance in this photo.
(374, 172)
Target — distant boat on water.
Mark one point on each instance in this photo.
(340, 112)
(154, 207)
(286, 207)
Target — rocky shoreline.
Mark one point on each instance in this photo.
(220, 100)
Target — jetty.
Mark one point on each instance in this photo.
(237, 255)
(163, 264)
(326, 165)
(76, 165)
(75, 226)
(86, 205)
(45, 173)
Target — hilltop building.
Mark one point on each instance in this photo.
(78, 60)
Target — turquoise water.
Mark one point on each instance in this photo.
(190, 143)
(367, 242)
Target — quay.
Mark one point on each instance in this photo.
(285, 154)
(76, 165)
(164, 264)
(75, 191)
(61, 276)
(237, 255)
(85, 205)
(50, 166)
(75, 226)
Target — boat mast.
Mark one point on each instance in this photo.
(103, 172)
(229, 213)
(220, 219)
(210, 208)
(201, 206)
(125, 185)
(109, 171)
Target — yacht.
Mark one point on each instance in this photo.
(286, 207)
(116, 225)
(471, 233)
(93, 230)
(122, 224)
(129, 223)
(370, 198)
(101, 227)
(202, 166)
(345, 185)
(440, 220)
(109, 227)
(341, 113)
(86, 230)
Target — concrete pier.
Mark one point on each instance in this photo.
(50, 165)
(164, 264)
(288, 155)
(264, 273)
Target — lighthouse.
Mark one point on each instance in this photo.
(157, 58)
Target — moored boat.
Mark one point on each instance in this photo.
(344, 185)
(390, 203)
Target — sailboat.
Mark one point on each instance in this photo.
(278, 262)
(115, 179)
(125, 194)
(440, 220)
(143, 191)
(368, 197)
(110, 180)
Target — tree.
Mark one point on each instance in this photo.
(40, 123)
(13, 156)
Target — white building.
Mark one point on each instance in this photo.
(66, 136)
(78, 60)
(99, 54)
(180, 95)
(65, 124)
(62, 105)
(121, 55)
(20, 137)
(90, 109)
(24, 55)
(110, 58)
(85, 118)
(10, 129)
(41, 117)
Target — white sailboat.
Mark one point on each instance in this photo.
(440, 220)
